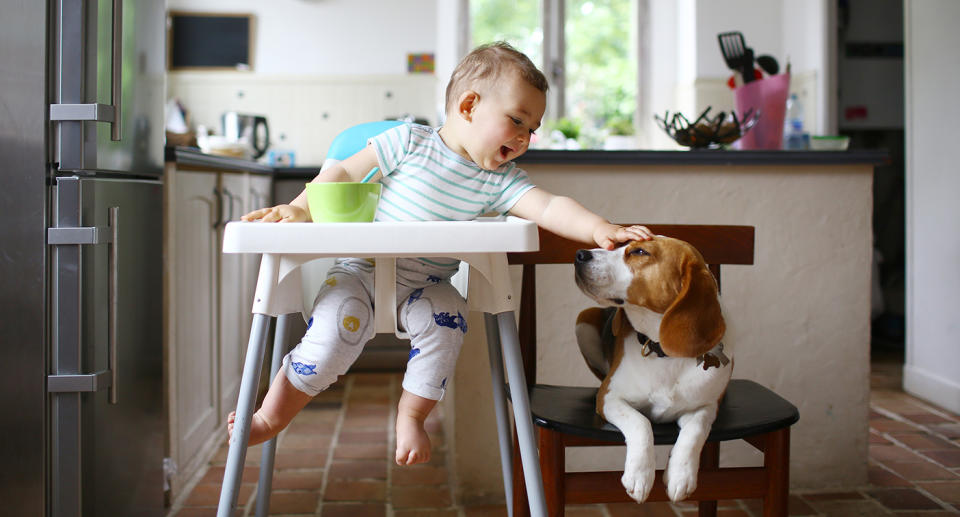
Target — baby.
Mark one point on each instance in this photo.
(494, 102)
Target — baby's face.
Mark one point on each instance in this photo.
(504, 120)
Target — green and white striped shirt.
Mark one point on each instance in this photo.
(424, 180)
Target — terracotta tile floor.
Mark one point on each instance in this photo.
(335, 460)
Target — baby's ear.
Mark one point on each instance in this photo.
(467, 103)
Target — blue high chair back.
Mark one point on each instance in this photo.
(351, 140)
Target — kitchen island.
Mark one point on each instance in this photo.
(798, 319)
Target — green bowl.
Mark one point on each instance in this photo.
(343, 202)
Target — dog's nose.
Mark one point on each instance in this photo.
(584, 256)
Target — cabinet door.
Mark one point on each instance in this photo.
(192, 251)
(234, 307)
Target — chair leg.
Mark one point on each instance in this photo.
(521, 507)
(776, 460)
(553, 467)
(709, 459)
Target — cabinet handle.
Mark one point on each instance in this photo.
(230, 204)
(113, 219)
(217, 196)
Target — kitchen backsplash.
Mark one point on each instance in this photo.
(304, 113)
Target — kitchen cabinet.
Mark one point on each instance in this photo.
(207, 300)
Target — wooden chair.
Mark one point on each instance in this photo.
(566, 416)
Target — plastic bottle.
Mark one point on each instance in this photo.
(794, 137)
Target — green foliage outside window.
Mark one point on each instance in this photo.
(601, 60)
(515, 21)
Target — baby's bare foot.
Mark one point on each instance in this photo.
(260, 430)
(413, 444)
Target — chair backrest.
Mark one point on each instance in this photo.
(351, 140)
(719, 244)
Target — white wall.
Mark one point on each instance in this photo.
(932, 78)
(331, 36)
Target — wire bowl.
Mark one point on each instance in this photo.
(707, 132)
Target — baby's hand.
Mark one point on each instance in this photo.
(609, 235)
(279, 213)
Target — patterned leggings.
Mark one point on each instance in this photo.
(434, 316)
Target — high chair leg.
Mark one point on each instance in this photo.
(241, 427)
(521, 413)
(500, 407)
(270, 448)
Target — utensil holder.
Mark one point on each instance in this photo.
(769, 95)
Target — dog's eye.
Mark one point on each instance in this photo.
(638, 251)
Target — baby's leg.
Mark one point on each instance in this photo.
(434, 319)
(281, 404)
(413, 444)
(341, 322)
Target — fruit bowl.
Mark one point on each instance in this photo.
(707, 132)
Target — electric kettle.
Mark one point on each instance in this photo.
(250, 130)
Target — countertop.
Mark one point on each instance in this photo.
(193, 158)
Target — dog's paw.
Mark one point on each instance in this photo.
(638, 475)
(680, 478)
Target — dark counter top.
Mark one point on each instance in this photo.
(702, 157)
(193, 158)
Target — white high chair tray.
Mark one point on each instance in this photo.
(397, 239)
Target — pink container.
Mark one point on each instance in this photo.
(769, 95)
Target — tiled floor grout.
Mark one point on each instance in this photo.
(914, 462)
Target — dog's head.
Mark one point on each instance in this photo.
(664, 275)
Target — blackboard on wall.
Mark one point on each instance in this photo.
(209, 41)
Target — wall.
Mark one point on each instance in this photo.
(305, 113)
(331, 37)
(932, 78)
(798, 318)
(318, 67)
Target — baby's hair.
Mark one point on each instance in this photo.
(487, 63)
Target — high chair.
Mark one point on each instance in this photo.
(481, 245)
(566, 416)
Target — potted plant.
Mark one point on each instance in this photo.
(620, 134)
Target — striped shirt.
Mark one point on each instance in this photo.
(424, 180)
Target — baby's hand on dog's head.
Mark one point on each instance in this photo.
(609, 236)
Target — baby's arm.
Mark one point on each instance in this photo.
(567, 218)
(353, 168)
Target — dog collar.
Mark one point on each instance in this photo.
(713, 358)
(649, 346)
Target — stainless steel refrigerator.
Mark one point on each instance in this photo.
(81, 151)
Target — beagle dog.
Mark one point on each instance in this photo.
(657, 347)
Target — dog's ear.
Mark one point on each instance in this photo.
(693, 324)
(619, 322)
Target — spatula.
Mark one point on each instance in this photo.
(735, 53)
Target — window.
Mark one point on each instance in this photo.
(587, 49)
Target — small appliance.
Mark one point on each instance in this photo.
(251, 131)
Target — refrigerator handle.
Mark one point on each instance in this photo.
(71, 111)
(113, 301)
(116, 70)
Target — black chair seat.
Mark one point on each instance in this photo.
(747, 409)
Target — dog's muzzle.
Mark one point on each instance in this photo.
(591, 277)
